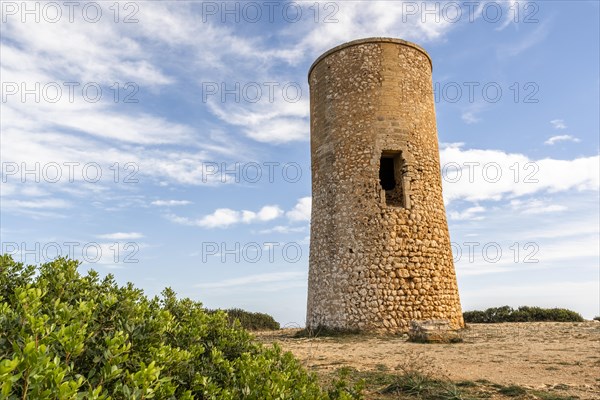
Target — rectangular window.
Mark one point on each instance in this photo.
(391, 178)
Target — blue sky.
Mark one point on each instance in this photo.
(167, 143)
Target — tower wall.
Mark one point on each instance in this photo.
(378, 259)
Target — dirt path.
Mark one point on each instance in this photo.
(536, 355)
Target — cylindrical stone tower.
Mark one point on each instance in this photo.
(380, 252)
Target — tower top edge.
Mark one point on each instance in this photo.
(364, 41)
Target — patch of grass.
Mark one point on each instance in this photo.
(411, 382)
(416, 384)
(345, 387)
(466, 384)
(512, 391)
(552, 396)
(381, 367)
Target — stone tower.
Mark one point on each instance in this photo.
(380, 252)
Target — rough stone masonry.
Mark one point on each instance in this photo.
(380, 254)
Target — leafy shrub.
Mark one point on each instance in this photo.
(253, 321)
(522, 314)
(597, 318)
(68, 336)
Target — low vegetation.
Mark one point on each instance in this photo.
(253, 321)
(521, 314)
(68, 336)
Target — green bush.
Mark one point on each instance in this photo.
(68, 336)
(521, 314)
(597, 318)
(253, 321)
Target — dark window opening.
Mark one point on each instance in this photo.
(386, 174)
(391, 178)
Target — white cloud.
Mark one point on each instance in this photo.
(301, 211)
(455, 145)
(558, 124)
(222, 217)
(225, 217)
(267, 213)
(561, 138)
(121, 236)
(475, 175)
(170, 203)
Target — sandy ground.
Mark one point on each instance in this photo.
(544, 355)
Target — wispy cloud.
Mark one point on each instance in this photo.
(558, 124)
(257, 279)
(535, 206)
(44, 203)
(511, 6)
(471, 213)
(561, 138)
(469, 117)
(108, 131)
(170, 203)
(121, 236)
(526, 42)
(284, 229)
